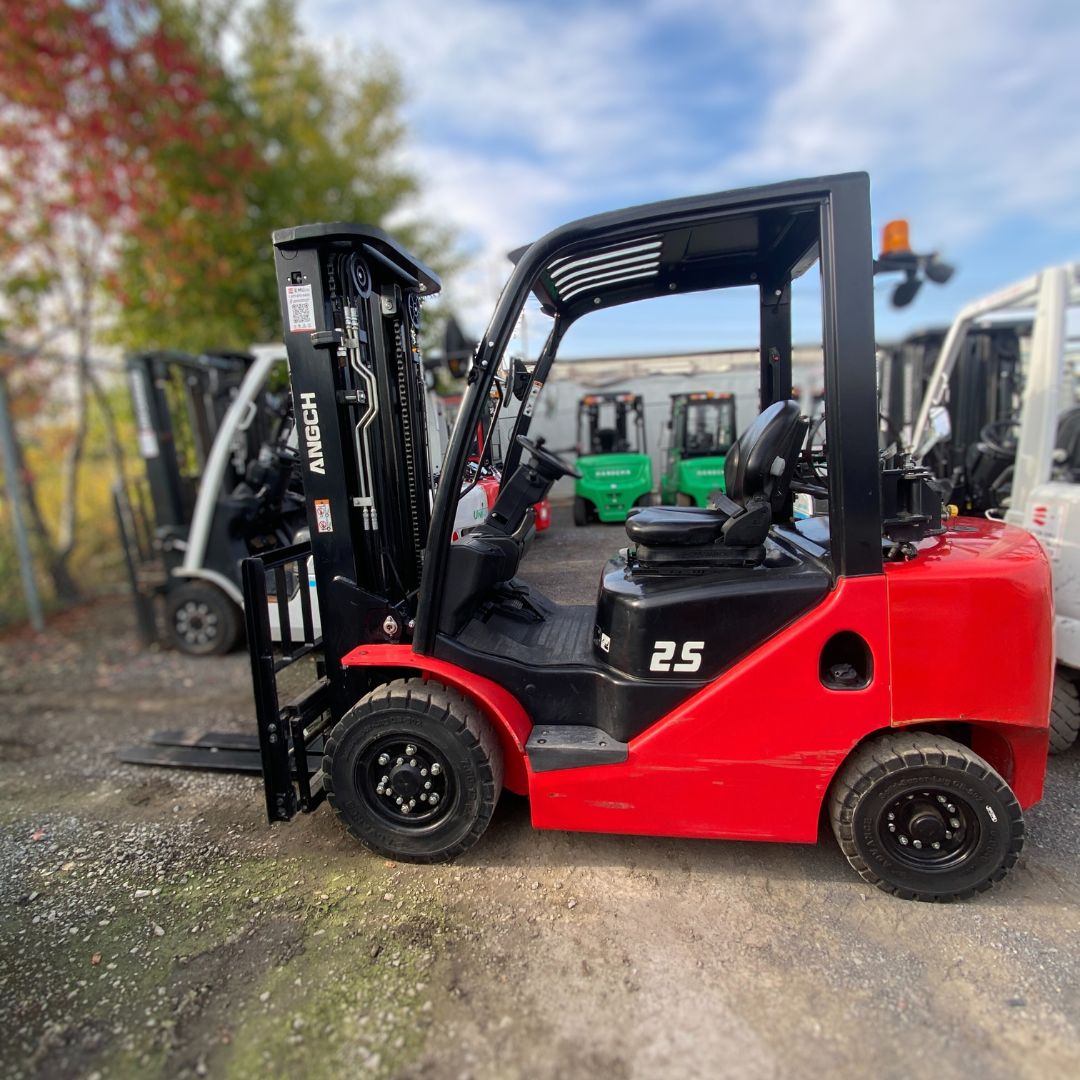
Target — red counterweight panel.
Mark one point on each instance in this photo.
(972, 640)
(749, 757)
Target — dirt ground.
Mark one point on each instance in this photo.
(153, 925)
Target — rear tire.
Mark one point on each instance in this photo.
(1064, 713)
(201, 620)
(582, 511)
(403, 744)
(937, 792)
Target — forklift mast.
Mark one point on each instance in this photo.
(179, 402)
(350, 300)
(593, 438)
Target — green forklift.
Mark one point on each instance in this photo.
(616, 470)
(701, 428)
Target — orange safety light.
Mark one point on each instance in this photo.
(894, 238)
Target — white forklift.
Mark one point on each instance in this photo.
(1044, 494)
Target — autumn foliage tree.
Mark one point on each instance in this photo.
(327, 133)
(100, 102)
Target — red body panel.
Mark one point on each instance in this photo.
(752, 755)
(508, 717)
(972, 640)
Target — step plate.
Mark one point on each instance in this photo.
(572, 746)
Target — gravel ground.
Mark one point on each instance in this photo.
(153, 925)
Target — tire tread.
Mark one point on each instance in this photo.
(891, 752)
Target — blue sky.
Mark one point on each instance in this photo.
(527, 114)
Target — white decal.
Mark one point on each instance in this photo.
(691, 656)
(605, 642)
(530, 401)
(991, 815)
(309, 413)
(323, 521)
(664, 653)
(301, 307)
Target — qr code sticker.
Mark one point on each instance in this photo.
(301, 307)
(323, 521)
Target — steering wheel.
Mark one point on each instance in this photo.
(996, 435)
(548, 462)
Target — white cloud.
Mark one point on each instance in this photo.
(963, 112)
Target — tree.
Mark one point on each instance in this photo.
(97, 98)
(327, 137)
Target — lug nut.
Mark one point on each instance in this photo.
(406, 808)
(384, 759)
(427, 785)
(904, 840)
(891, 816)
(423, 772)
(954, 822)
(410, 750)
(917, 843)
(423, 796)
(436, 768)
(400, 800)
(400, 761)
(412, 762)
(936, 845)
(433, 799)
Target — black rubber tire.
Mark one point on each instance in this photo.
(443, 718)
(880, 771)
(682, 499)
(201, 620)
(582, 511)
(644, 500)
(1064, 713)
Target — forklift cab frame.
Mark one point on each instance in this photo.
(626, 435)
(700, 431)
(652, 711)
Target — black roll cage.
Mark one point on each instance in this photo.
(725, 403)
(826, 217)
(625, 403)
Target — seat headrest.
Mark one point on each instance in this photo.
(761, 460)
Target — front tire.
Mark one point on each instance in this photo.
(1064, 713)
(414, 771)
(922, 817)
(201, 619)
(582, 511)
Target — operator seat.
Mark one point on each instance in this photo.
(757, 476)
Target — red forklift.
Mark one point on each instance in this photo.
(741, 674)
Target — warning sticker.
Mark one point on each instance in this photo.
(323, 521)
(534, 393)
(301, 307)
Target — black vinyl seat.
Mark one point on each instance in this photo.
(757, 476)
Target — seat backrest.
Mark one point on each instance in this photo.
(605, 439)
(761, 460)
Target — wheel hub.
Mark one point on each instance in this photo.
(410, 779)
(195, 622)
(930, 829)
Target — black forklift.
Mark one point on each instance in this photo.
(983, 404)
(217, 439)
(441, 676)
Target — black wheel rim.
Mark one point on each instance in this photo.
(929, 829)
(406, 782)
(196, 623)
